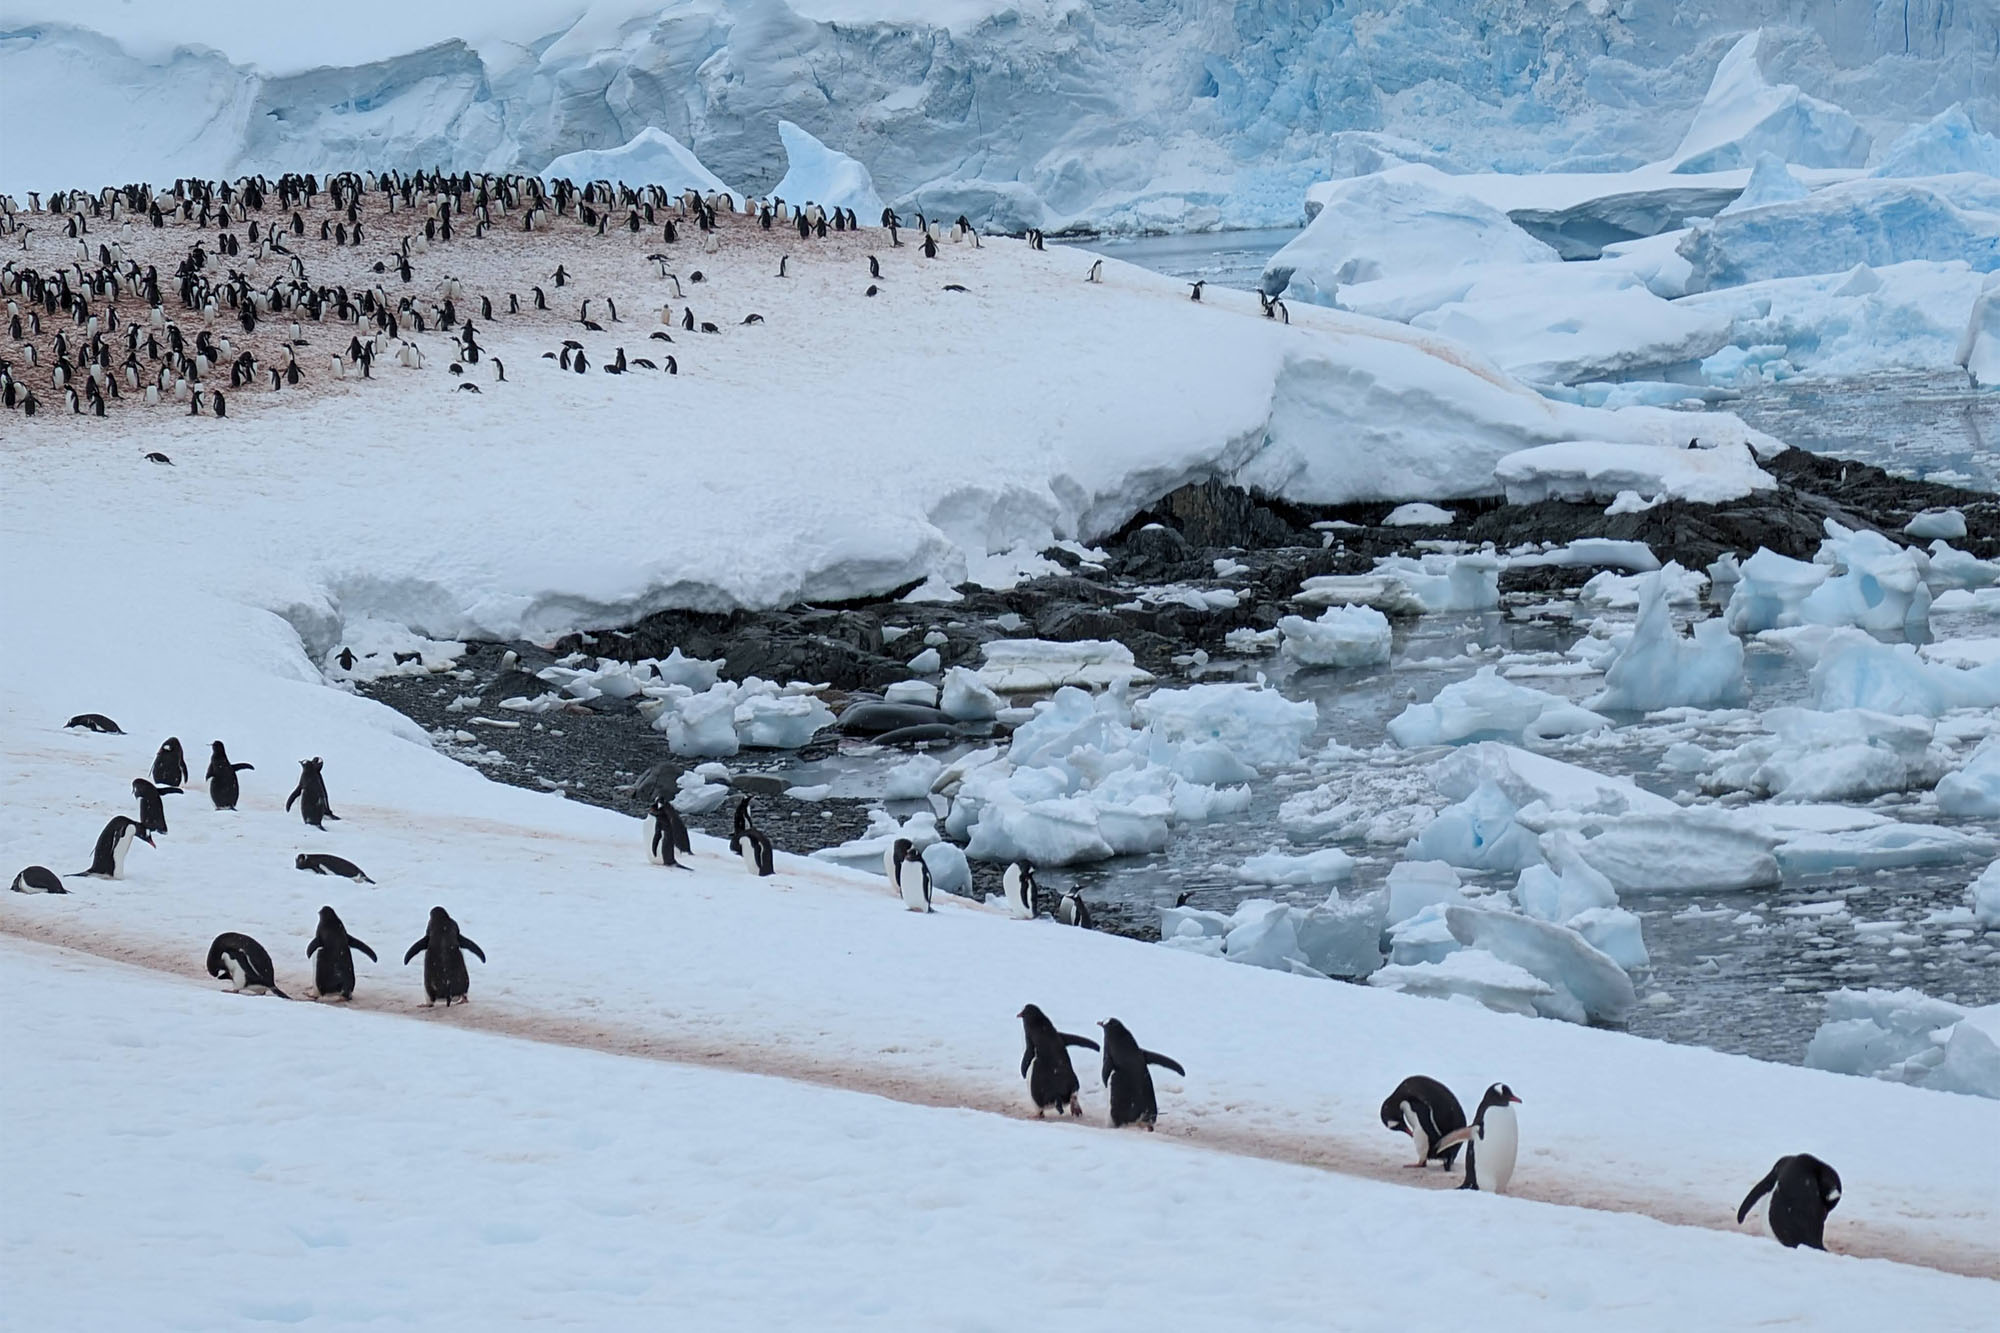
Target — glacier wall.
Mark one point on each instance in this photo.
(1113, 113)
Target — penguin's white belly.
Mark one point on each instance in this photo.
(1415, 1124)
(118, 849)
(889, 866)
(237, 975)
(652, 841)
(912, 885)
(1498, 1147)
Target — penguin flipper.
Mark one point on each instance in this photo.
(465, 943)
(1070, 1039)
(1165, 1062)
(1027, 1058)
(293, 798)
(416, 949)
(353, 943)
(1758, 1191)
(242, 767)
(313, 948)
(1457, 1136)
(170, 791)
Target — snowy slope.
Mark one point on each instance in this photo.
(295, 1164)
(1049, 112)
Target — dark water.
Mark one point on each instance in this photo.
(1225, 258)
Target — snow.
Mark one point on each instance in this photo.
(1417, 514)
(1342, 636)
(650, 157)
(1579, 471)
(1745, 116)
(816, 174)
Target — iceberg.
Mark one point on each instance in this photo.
(1840, 755)
(1343, 636)
(1973, 791)
(1884, 847)
(1478, 832)
(1770, 183)
(1486, 708)
(1416, 885)
(1689, 851)
(650, 157)
(1770, 591)
(1941, 524)
(817, 174)
(1877, 586)
(1745, 116)
(1654, 667)
(1854, 671)
(1944, 145)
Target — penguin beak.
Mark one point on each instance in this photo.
(147, 838)
(1512, 1098)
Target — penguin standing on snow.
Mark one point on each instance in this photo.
(108, 860)
(223, 788)
(1803, 1191)
(1052, 1079)
(333, 974)
(666, 833)
(170, 767)
(1426, 1110)
(443, 949)
(1071, 910)
(321, 863)
(38, 879)
(1024, 897)
(244, 964)
(913, 881)
(1493, 1141)
(1133, 1101)
(748, 841)
(152, 810)
(311, 793)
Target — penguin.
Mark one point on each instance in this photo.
(1426, 1110)
(38, 879)
(333, 975)
(1024, 898)
(874, 268)
(756, 851)
(107, 860)
(1131, 1083)
(666, 833)
(321, 863)
(1195, 295)
(913, 880)
(1493, 1128)
(312, 786)
(243, 963)
(892, 861)
(156, 456)
(170, 764)
(95, 722)
(223, 788)
(444, 959)
(1052, 1079)
(152, 810)
(1803, 1191)
(1072, 911)
(1096, 273)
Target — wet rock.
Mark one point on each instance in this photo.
(1212, 513)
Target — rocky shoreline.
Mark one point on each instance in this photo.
(603, 752)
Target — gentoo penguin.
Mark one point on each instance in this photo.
(152, 810)
(1195, 295)
(1426, 1110)
(37, 879)
(874, 268)
(666, 833)
(1131, 1083)
(1052, 1080)
(312, 787)
(444, 960)
(95, 722)
(1096, 273)
(1803, 1191)
(333, 975)
(1024, 899)
(244, 964)
(321, 863)
(892, 861)
(913, 881)
(1071, 910)
(107, 861)
(156, 456)
(223, 788)
(170, 767)
(1494, 1130)
(757, 852)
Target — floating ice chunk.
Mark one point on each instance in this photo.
(1034, 666)
(1212, 764)
(1474, 973)
(817, 174)
(1983, 896)
(1478, 833)
(1056, 832)
(1946, 524)
(1621, 592)
(1264, 936)
(1526, 778)
(1769, 591)
(1343, 937)
(1415, 885)
(1401, 585)
(1883, 848)
(1949, 567)
(1487, 707)
(1905, 1036)
(1856, 672)
(1602, 552)
(1591, 471)
(776, 722)
(1694, 851)
(1653, 667)
(949, 871)
(1423, 937)
(911, 692)
(1548, 895)
(967, 698)
(1586, 985)
(1845, 755)
(1327, 866)
(1974, 790)
(911, 780)
(1614, 932)
(1879, 586)
(1944, 145)
(1343, 636)
(1419, 515)
(1744, 116)
(1322, 813)
(1258, 725)
(1770, 183)
(1193, 921)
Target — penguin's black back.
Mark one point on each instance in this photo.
(1803, 1191)
(1436, 1107)
(170, 765)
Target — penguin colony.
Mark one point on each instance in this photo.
(131, 296)
(1803, 1190)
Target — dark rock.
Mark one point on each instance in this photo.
(1156, 551)
(1067, 622)
(1212, 513)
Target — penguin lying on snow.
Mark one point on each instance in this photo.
(38, 879)
(243, 963)
(666, 833)
(1495, 1130)
(152, 810)
(442, 946)
(95, 722)
(1131, 1082)
(1052, 1080)
(333, 976)
(1426, 1110)
(107, 861)
(322, 863)
(312, 787)
(223, 788)
(1803, 1191)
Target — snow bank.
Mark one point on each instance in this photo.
(1585, 471)
(1744, 116)
(819, 175)
(650, 157)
